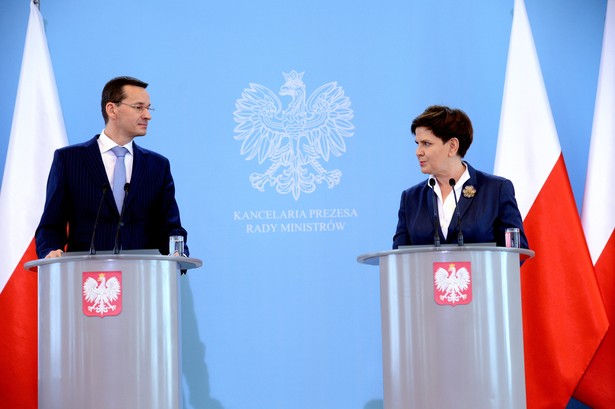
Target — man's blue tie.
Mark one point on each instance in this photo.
(119, 176)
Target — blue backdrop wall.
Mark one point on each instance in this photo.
(281, 315)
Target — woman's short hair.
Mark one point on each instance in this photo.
(446, 123)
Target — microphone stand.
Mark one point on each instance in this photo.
(116, 248)
(102, 198)
(436, 219)
(451, 182)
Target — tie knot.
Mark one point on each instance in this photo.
(119, 151)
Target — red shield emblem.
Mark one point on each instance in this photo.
(102, 293)
(452, 283)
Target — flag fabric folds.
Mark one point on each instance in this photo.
(564, 319)
(37, 130)
(597, 388)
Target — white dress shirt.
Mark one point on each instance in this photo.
(446, 209)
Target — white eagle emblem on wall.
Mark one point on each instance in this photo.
(294, 139)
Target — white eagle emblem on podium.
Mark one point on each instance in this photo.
(102, 295)
(452, 283)
(294, 139)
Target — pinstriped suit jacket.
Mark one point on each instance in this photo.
(75, 187)
(484, 216)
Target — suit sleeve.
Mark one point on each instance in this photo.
(509, 214)
(170, 214)
(51, 233)
(402, 236)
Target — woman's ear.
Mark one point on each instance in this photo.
(453, 145)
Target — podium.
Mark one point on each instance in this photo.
(444, 347)
(105, 355)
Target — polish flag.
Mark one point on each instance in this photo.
(564, 319)
(37, 130)
(597, 388)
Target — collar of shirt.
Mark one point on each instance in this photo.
(106, 144)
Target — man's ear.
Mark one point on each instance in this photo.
(111, 109)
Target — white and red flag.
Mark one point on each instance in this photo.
(37, 130)
(597, 388)
(564, 319)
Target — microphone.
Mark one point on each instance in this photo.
(102, 198)
(436, 219)
(116, 247)
(451, 182)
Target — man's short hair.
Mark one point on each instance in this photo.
(114, 92)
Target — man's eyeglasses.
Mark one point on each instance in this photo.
(137, 107)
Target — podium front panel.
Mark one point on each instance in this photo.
(452, 356)
(131, 360)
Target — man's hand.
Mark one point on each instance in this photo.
(55, 253)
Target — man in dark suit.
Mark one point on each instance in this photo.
(487, 203)
(81, 181)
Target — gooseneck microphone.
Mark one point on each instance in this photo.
(102, 198)
(436, 219)
(116, 247)
(451, 182)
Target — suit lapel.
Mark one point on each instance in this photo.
(432, 205)
(464, 200)
(94, 162)
(138, 170)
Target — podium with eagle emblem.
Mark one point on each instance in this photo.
(109, 330)
(452, 330)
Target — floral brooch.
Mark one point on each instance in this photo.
(469, 191)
